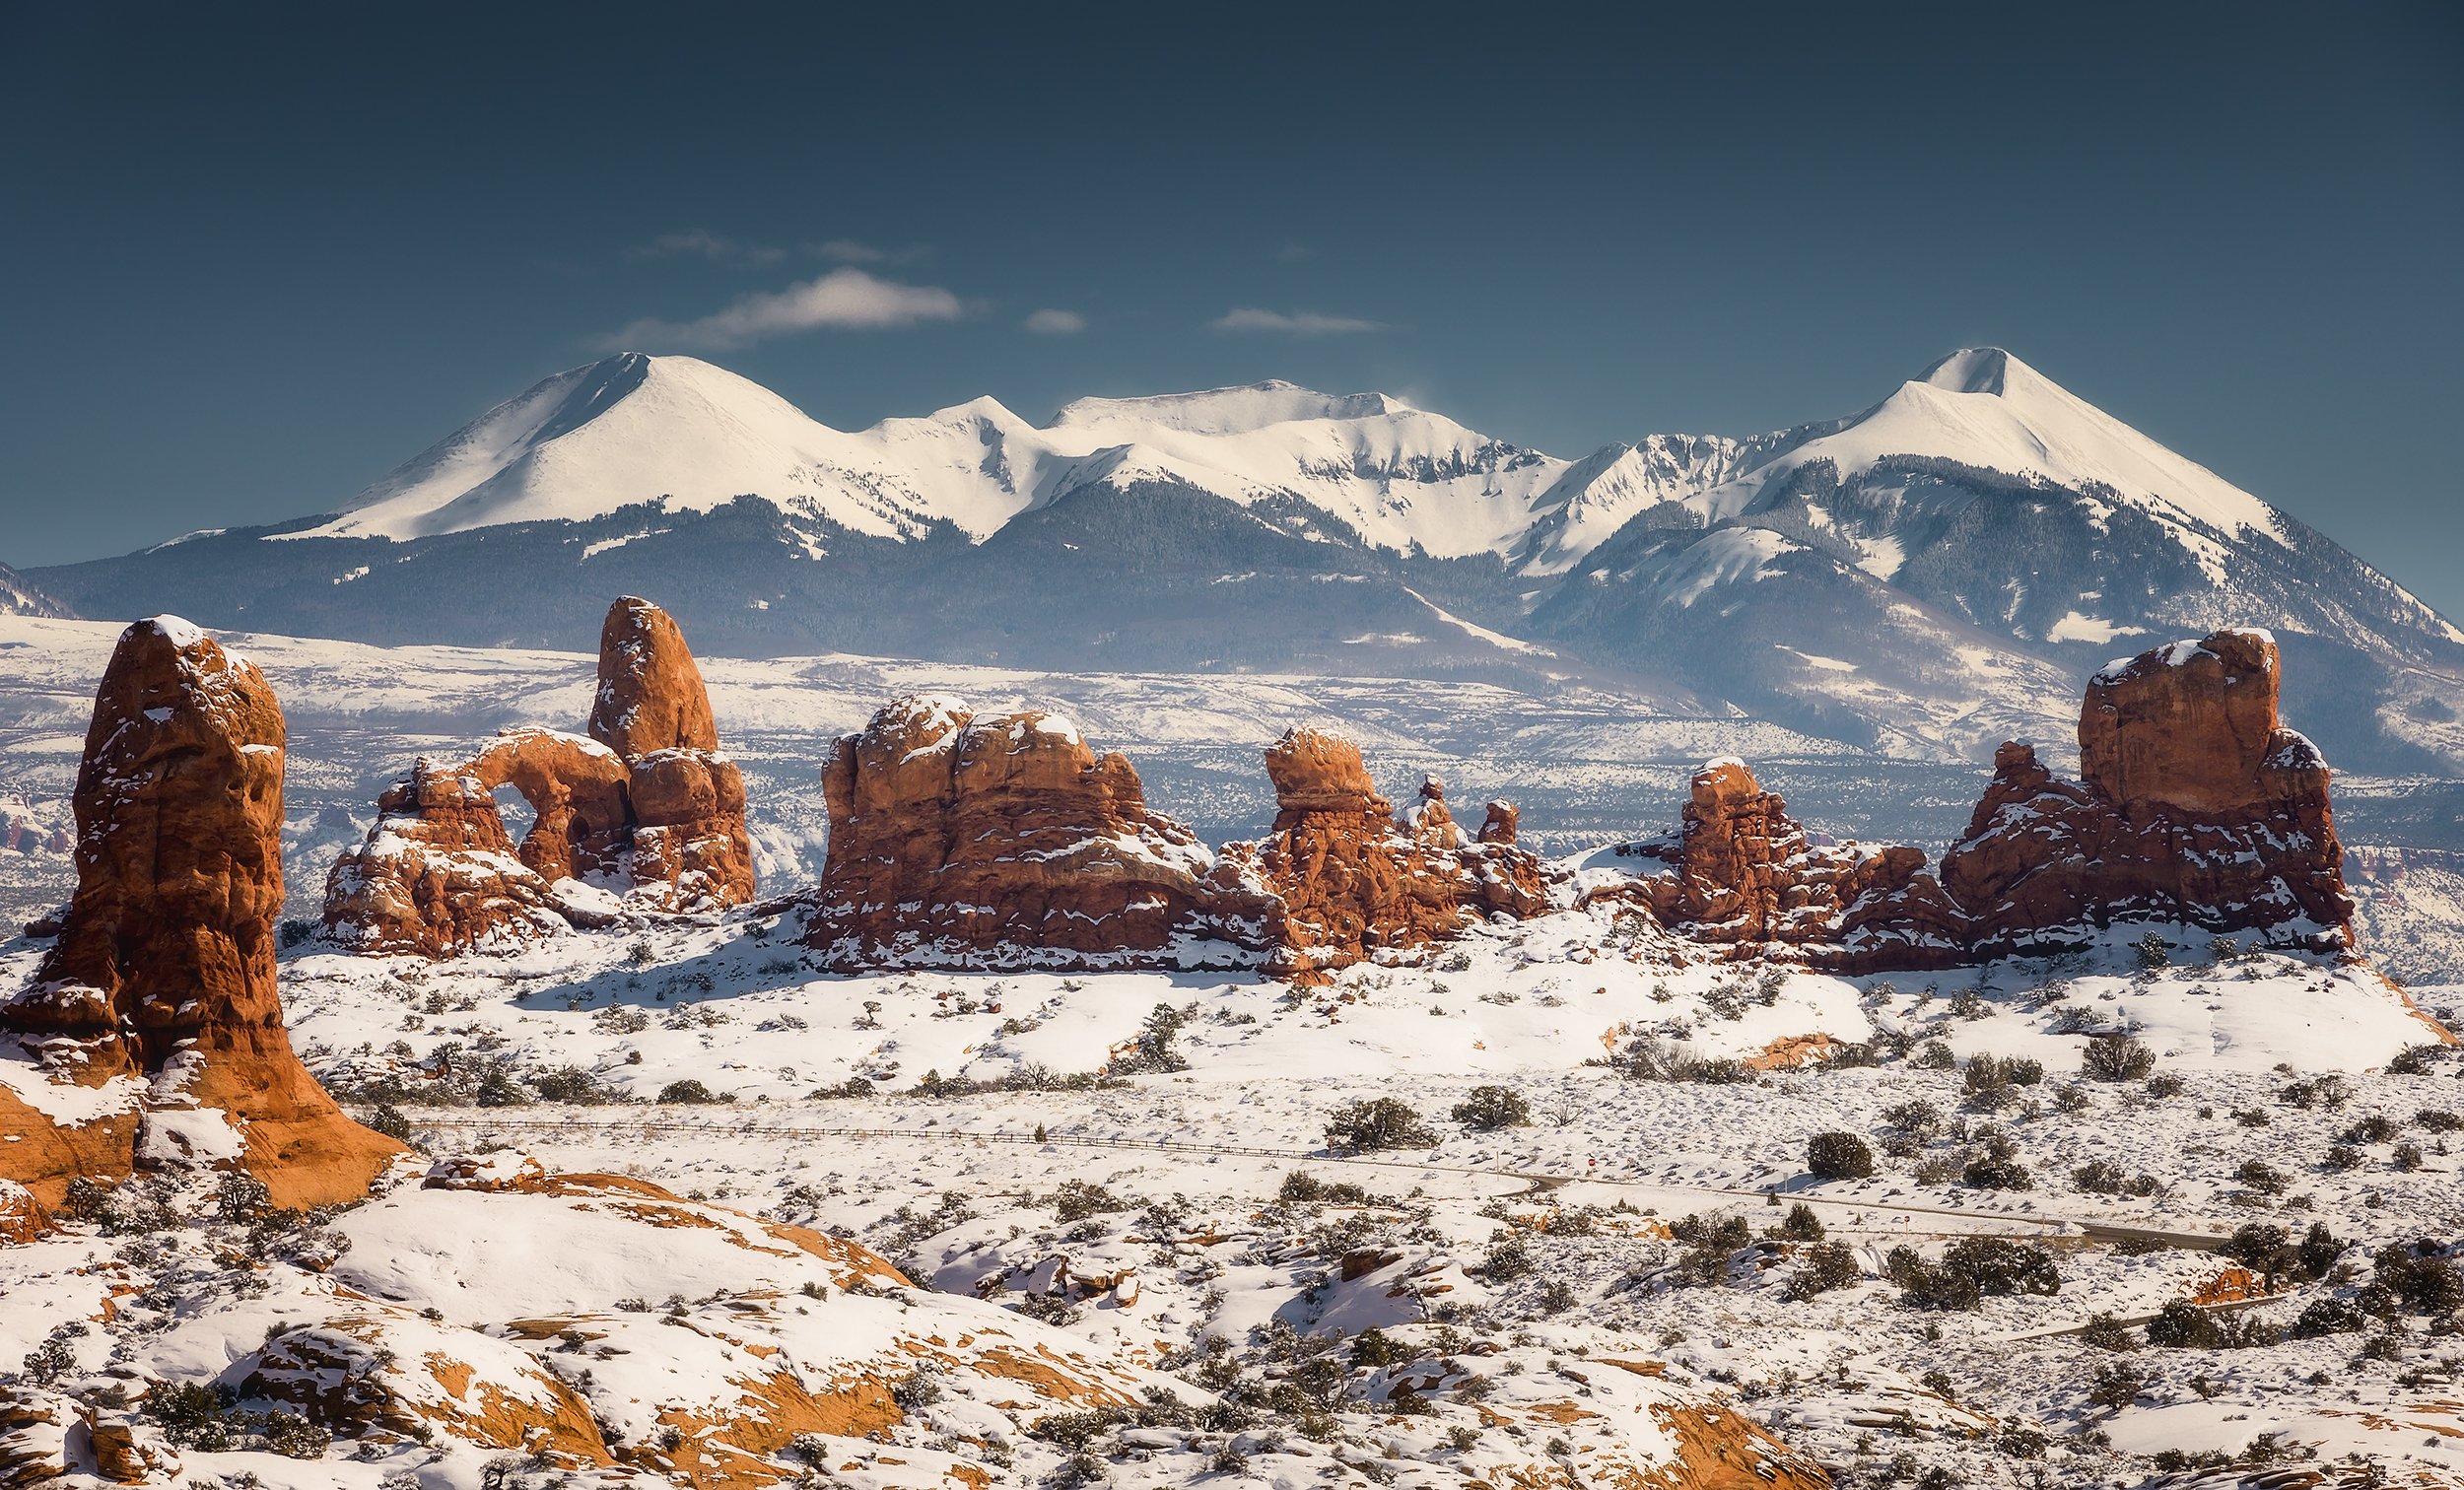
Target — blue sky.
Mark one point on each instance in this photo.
(255, 257)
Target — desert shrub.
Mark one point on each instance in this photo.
(2327, 1317)
(2165, 1085)
(1827, 1265)
(2374, 1129)
(2438, 1120)
(2154, 951)
(1302, 1186)
(571, 1084)
(386, 1118)
(1838, 1155)
(689, 1091)
(1916, 1118)
(1935, 1055)
(191, 1416)
(2116, 1385)
(1375, 1125)
(294, 1437)
(1997, 1168)
(1077, 1199)
(2421, 1279)
(1509, 1258)
(2102, 1331)
(1154, 1051)
(2116, 1057)
(2186, 1326)
(2264, 1249)
(1800, 1224)
(2262, 1176)
(1707, 1242)
(1971, 1269)
(1493, 1106)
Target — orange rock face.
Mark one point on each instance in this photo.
(1744, 877)
(1352, 883)
(161, 985)
(1004, 841)
(650, 694)
(644, 815)
(2198, 808)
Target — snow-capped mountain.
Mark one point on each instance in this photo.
(634, 429)
(1916, 579)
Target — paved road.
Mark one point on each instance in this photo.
(585, 1124)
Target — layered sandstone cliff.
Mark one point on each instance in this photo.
(643, 815)
(153, 1029)
(2198, 808)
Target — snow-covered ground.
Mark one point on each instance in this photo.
(1111, 1187)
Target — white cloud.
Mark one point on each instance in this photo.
(1291, 323)
(844, 300)
(1049, 323)
(701, 243)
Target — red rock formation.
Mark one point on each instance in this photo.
(646, 810)
(651, 696)
(161, 986)
(1744, 877)
(1005, 841)
(1352, 883)
(2198, 808)
(1500, 825)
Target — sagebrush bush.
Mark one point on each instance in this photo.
(1837, 1155)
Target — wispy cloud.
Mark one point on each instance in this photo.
(844, 300)
(857, 251)
(701, 243)
(1049, 323)
(1291, 322)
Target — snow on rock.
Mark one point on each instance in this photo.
(1003, 840)
(162, 984)
(646, 803)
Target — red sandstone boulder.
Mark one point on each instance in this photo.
(161, 986)
(1005, 841)
(643, 816)
(1500, 825)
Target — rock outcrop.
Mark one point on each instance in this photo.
(1744, 877)
(2198, 809)
(1004, 840)
(1354, 884)
(154, 1024)
(643, 816)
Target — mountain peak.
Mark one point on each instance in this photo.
(1976, 370)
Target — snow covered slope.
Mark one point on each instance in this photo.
(634, 429)
(1928, 572)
